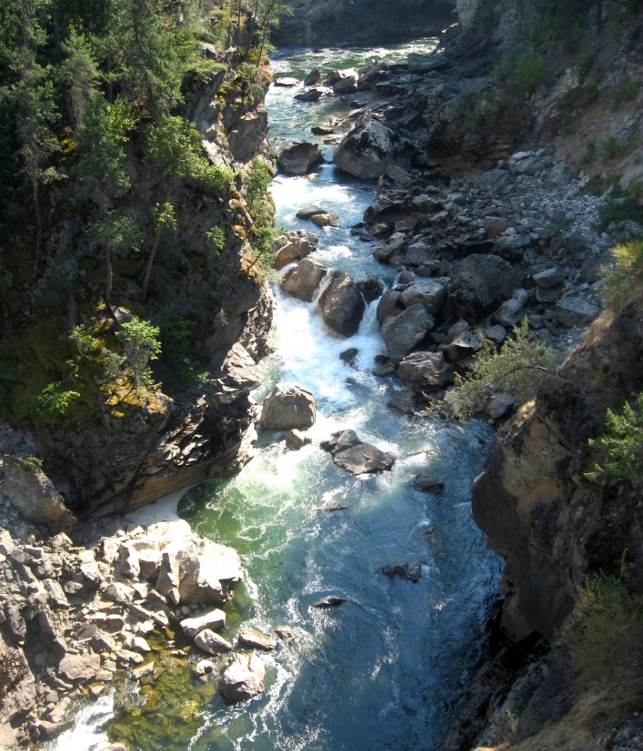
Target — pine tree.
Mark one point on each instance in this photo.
(79, 75)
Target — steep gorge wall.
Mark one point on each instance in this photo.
(331, 22)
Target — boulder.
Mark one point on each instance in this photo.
(402, 333)
(212, 644)
(308, 212)
(481, 282)
(214, 620)
(389, 305)
(462, 346)
(120, 593)
(303, 280)
(28, 489)
(253, 638)
(549, 278)
(356, 457)
(299, 158)
(430, 292)
(208, 572)
(342, 305)
(313, 78)
(372, 288)
(79, 668)
(326, 219)
(312, 94)
(426, 370)
(575, 311)
(289, 408)
(346, 81)
(296, 440)
(367, 151)
(295, 247)
(243, 678)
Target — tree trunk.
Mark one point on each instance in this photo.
(150, 264)
(109, 276)
(36, 203)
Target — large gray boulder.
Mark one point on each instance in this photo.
(481, 282)
(426, 370)
(402, 333)
(303, 280)
(367, 151)
(355, 456)
(299, 158)
(210, 643)
(430, 292)
(289, 408)
(28, 489)
(243, 678)
(575, 311)
(213, 620)
(342, 305)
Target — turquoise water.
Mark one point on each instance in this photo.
(383, 670)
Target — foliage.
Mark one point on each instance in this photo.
(621, 446)
(625, 93)
(79, 75)
(141, 345)
(176, 145)
(604, 634)
(528, 72)
(519, 368)
(8, 377)
(217, 239)
(54, 402)
(627, 272)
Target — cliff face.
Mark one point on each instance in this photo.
(332, 22)
(211, 304)
(553, 526)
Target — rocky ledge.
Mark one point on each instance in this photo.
(80, 614)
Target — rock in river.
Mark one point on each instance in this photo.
(299, 158)
(342, 305)
(303, 280)
(294, 247)
(355, 456)
(256, 639)
(367, 151)
(210, 643)
(243, 678)
(289, 408)
(214, 619)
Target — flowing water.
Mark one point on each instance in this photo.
(383, 670)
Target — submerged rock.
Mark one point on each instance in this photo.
(289, 408)
(409, 571)
(329, 602)
(243, 678)
(428, 484)
(355, 456)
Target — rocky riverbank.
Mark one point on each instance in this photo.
(82, 615)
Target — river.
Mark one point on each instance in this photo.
(383, 670)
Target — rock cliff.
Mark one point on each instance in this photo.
(332, 22)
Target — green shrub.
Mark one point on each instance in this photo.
(520, 367)
(625, 93)
(216, 239)
(141, 345)
(621, 446)
(604, 634)
(528, 72)
(627, 272)
(54, 402)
